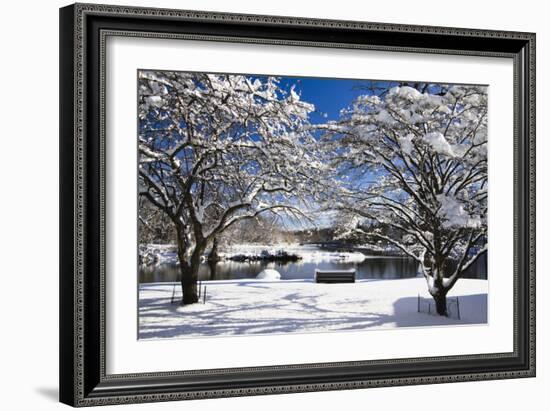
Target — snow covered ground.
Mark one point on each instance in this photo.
(240, 307)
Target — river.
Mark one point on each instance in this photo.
(373, 267)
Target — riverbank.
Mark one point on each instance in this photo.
(245, 307)
(158, 254)
(305, 253)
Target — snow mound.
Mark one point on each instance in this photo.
(269, 274)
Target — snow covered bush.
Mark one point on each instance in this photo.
(269, 274)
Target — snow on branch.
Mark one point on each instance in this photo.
(216, 149)
(424, 153)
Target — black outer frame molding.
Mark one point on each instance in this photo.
(83, 381)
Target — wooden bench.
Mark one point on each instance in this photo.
(334, 276)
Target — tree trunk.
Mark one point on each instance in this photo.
(189, 271)
(213, 269)
(213, 259)
(441, 304)
(189, 287)
(213, 256)
(439, 294)
(190, 276)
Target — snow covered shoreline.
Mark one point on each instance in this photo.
(251, 307)
(306, 253)
(166, 253)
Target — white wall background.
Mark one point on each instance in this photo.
(29, 204)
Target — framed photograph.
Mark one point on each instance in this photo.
(260, 204)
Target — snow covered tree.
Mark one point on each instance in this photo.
(154, 226)
(264, 229)
(414, 159)
(217, 149)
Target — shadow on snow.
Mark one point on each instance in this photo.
(292, 311)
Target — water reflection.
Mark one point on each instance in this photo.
(372, 267)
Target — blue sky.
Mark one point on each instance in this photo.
(328, 95)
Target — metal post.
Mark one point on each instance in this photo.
(173, 294)
(457, 308)
(204, 296)
(418, 304)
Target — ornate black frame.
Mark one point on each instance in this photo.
(83, 30)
